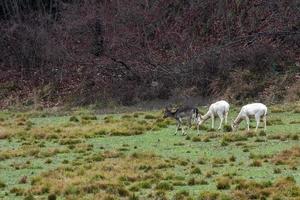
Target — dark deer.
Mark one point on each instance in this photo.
(188, 112)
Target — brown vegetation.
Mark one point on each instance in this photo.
(56, 52)
(288, 157)
(280, 189)
(102, 178)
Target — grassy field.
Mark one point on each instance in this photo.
(137, 156)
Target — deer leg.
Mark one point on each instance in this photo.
(265, 122)
(257, 118)
(226, 116)
(212, 121)
(181, 126)
(221, 116)
(220, 123)
(182, 130)
(178, 125)
(248, 122)
(190, 123)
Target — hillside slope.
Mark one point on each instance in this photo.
(85, 52)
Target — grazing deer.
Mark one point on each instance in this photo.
(220, 109)
(256, 110)
(183, 112)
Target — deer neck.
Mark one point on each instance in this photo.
(206, 116)
(237, 120)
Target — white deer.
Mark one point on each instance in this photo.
(256, 110)
(220, 109)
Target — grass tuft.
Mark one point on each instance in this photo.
(183, 194)
(211, 130)
(29, 197)
(256, 163)
(23, 180)
(208, 195)
(192, 181)
(145, 184)
(209, 174)
(219, 161)
(232, 158)
(17, 191)
(126, 116)
(274, 121)
(150, 117)
(197, 139)
(277, 109)
(164, 186)
(89, 117)
(52, 196)
(201, 161)
(73, 119)
(206, 139)
(2, 184)
(250, 134)
(277, 171)
(234, 137)
(227, 128)
(203, 182)
(196, 171)
(295, 122)
(296, 110)
(223, 183)
(262, 133)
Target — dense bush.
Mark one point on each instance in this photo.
(82, 52)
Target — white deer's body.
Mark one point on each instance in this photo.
(256, 110)
(220, 109)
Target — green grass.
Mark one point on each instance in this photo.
(137, 155)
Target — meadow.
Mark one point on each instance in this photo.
(82, 155)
